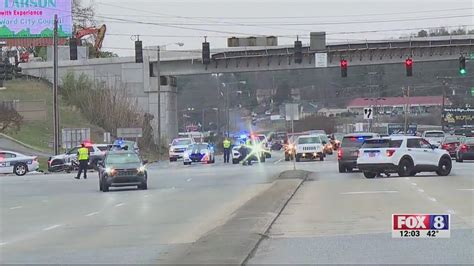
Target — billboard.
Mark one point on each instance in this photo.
(34, 18)
(458, 116)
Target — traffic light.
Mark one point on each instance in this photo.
(138, 52)
(343, 68)
(298, 52)
(206, 53)
(462, 66)
(73, 49)
(409, 66)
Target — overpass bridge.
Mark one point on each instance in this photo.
(143, 80)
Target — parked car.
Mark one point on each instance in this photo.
(66, 161)
(122, 168)
(348, 151)
(451, 143)
(404, 155)
(17, 163)
(465, 150)
(199, 152)
(435, 137)
(177, 148)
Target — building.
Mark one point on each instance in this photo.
(265, 95)
(332, 112)
(396, 105)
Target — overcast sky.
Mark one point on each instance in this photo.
(226, 18)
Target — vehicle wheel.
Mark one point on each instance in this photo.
(186, 163)
(459, 159)
(342, 168)
(263, 158)
(287, 158)
(444, 167)
(100, 184)
(297, 157)
(413, 173)
(268, 155)
(321, 158)
(405, 167)
(105, 187)
(349, 169)
(235, 161)
(143, 186)
(20, 169)
(369, 174)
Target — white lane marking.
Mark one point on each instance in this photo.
(120, 204)
(278, 161)
(91, 214)
(465, 189)
(368, 192)
(421, 190)
(450, 211)
(3, 243)
(189, 179)
(407, 178)
(52, 227)
(413, 184)
(432, 199)
(16, 207)
(146, 196)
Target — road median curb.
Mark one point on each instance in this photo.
(235, 241)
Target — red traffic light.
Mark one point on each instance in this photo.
(344, 63)
(409, 62)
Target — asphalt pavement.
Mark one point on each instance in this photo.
(55, 218)
(345, 218)
(244, 212)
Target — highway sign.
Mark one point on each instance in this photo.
(291, 112)
(368, 113)
(129, 132)
(72, 137)
(321, 59)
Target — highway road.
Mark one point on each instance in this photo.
(55, 218)
(345, 218)
(331, 218)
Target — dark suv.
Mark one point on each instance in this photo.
(348, 152)
(120, 169)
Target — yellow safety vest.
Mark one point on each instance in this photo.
(83, 154)
(226, 144)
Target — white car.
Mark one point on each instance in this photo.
(309, 147)
(404, 155)
(262, 138)
(17, 163)
(199, 152)
(178, 146)
(236, 156)
(434, 137)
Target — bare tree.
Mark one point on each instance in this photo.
(9, 117)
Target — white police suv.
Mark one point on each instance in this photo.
(404, 155)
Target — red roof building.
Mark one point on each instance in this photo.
(426, 101)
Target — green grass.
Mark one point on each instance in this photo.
(39, 133)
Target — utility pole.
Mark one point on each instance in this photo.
(406, 93)
(227, 110)
(55, 87)
(202, 121)
(159, 99)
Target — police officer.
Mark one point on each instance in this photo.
(226, 143)
(83, 158)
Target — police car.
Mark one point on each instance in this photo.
(17, 163)
(66, 160)
(199, 152)
(404, 155)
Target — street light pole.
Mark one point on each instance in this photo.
(159, 99)
(55, 87)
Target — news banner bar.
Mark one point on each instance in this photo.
(421, 225)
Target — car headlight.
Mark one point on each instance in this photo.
(110, 171)
(141, 169)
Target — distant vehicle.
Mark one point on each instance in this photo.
(404, 155)
(199, 152)
(177, 148)
(195, 135)
(467, 132)
(309, 147)
(434, 137)
(67, 161)
(465, 150)
(348, 151)
(328, 147)
(258, 156)
(122, 169)
(262, 139)
(120, 144)
(17, 163)
(451, 143)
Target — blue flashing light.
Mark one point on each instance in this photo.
(243, 136)
(360, 138)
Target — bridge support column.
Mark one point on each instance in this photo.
(168, 110)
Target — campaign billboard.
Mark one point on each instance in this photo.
(34, 18)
